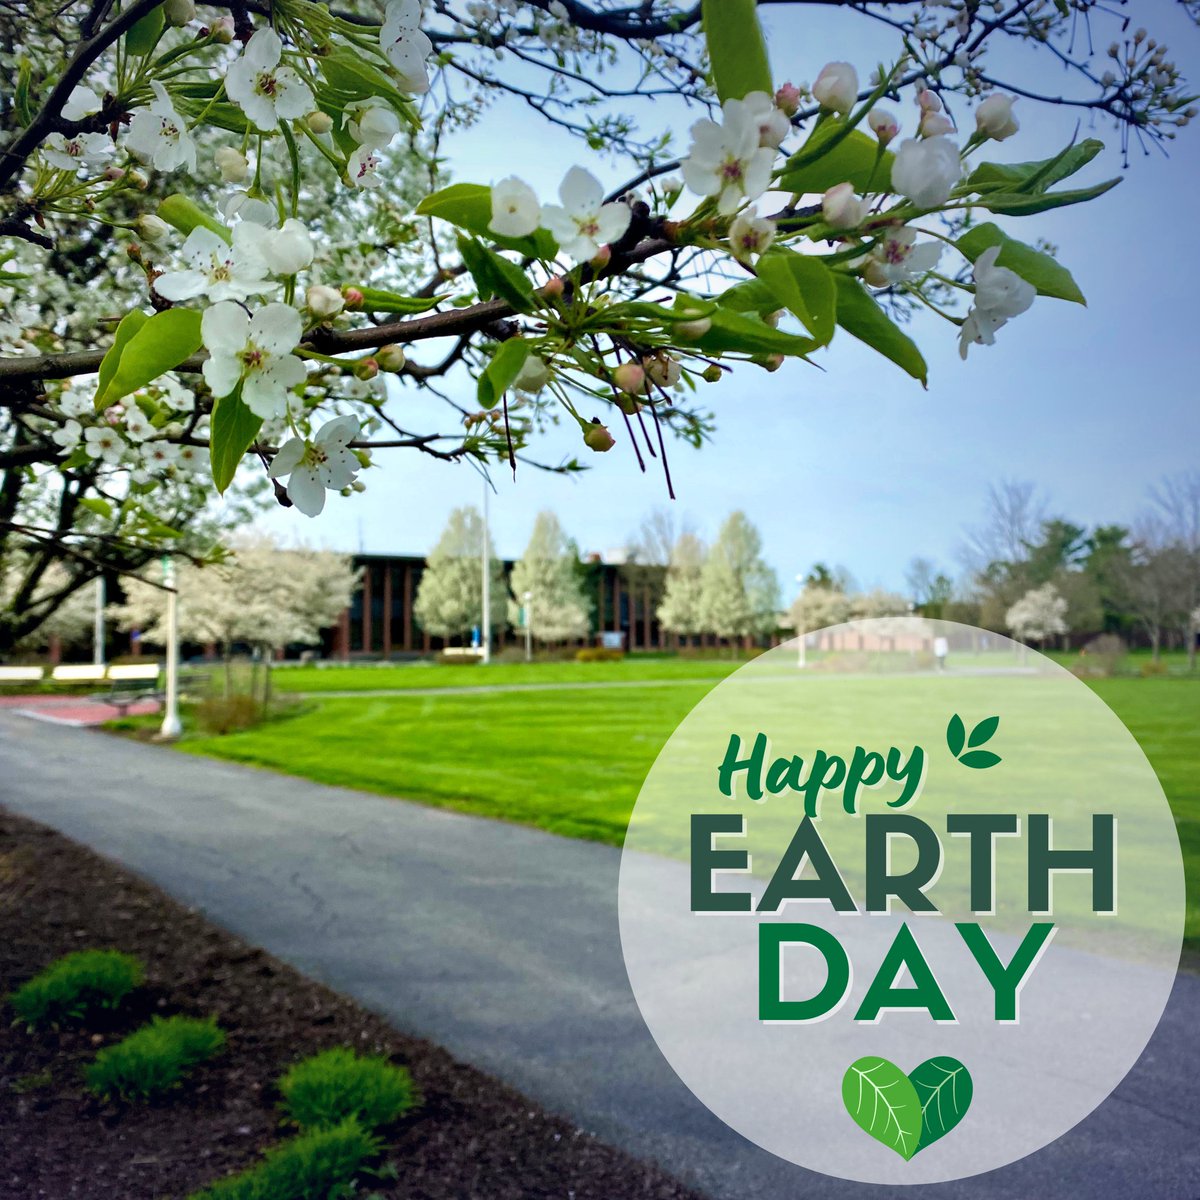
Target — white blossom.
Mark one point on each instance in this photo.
(82, 102)
(841, 208)
(159, 455)
(728, 160)
(994, 117)
(232, 163)
(1000, 294)
(159, 135)
(265, 91)
(372, 122)
(246, 207)
(75, 402)
(773, 123)
(584, 222)
(515, 209)
(750, 235)
(363, 168)
(897, 258)
(405, 45)
(105, 443)
(325, 462)
(288, 249)
(218, 270)
(836, 87)
(255, 352)
(926, 171)
(190, 459)
(137, 428)
(77, 153)
(68, 435)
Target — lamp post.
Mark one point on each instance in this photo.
(528, 598)
(485, 627)
(171, 725)
(801, 637)
(98, 624)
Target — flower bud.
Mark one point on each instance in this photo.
(842, 208)
(662, 369)
(787, 99)
(772, 362)
(319, 122)
(627, 404)
(353, 297)
(179, 12)
(994, 117)
(883, 124)
(630, 378)
(324, 302)
(712, 374)
(533, 376)
(152, 228)
(934, 124)
(597, 438)
(112, 174)
(692, 331)
(222, 30)
(929, 101)
(836, 87)
(232, 163)
(138, 180)
(553, 288)
(602, 259)
(391, 358)
(366, 368)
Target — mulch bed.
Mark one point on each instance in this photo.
(473, 1137)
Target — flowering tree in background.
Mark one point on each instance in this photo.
(679, 612)
(1038, 615)
(449, 600)
(545, 583)
(224, 228)
(739, 594)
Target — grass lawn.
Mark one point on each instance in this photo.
(404, 676)
(573, 762)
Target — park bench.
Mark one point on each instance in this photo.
(78, 673)
(18, 675)
(130, 683)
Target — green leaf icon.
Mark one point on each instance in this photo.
(958, 742)
(907, 1112)
(884, 1103)
(956, 735)
(944, 1087)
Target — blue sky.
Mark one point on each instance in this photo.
(856, 464)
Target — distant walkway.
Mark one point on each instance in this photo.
(489, 689)
(501, 943)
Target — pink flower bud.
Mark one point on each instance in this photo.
(883, 124)
(598, 438)
(841, 208)
(352, 296)
(788, 98)
(554, 288)
(630, 378)
(602, 259)
(366, 368)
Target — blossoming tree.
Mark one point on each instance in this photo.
(228, 246)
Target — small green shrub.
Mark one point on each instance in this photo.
(1151, 668)
(595, 654)
(319, 1165)
(154, 1059)
(235, 713)
(329, 1087)
(75, 985)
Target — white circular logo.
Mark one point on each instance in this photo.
(902, 903)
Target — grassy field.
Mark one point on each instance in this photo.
(572, 763)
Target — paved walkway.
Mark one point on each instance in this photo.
(501, 943)
(74, 710)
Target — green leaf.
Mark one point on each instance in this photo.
(1035, 267)
(735, 333)
(883, 1103)
(234, 428)
(352, 77)
(161, 343)
(21, 93)
(984, 731)
(469, 206)
(143, 34)
(502, 371)
(378, 300)
(832, 155)
(495, 275)
(956, 735)
(944, 1089)
(183, 214)
(861, 317)
(751, 296)
(1015, 204)
(100, 507)
(1040, 175)
(736, 48)
(804, 285)
(130, 324)
(979, 760)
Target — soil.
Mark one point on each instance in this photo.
(472, 1137)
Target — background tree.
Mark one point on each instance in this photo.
(648, 555)
(557, 610)
(449, 601)
(1039, 614)
(739, 593)
(1177, 501)
(931, 589)
(679, 612)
